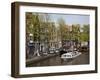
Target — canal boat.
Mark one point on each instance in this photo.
(70, 55)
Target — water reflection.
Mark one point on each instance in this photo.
(56, 60)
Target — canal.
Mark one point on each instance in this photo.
(57, 61)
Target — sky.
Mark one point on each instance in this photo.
(70, 18)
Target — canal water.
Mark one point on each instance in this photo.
(57, 61)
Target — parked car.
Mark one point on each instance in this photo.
(52, 50)
(57, 50)
(83, 49)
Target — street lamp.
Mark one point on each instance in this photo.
(30, 45)
(30, 34)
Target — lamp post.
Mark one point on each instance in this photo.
(30, 45)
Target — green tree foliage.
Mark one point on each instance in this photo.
(85, 33)
(62, 31)
(75, 32)
(32, 25)
(44, 29)
(28, 22)
(36, 26)
(40, 25)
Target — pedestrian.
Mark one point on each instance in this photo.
(31, 45)
(31, 48)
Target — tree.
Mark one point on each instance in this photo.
(28, 22)
(33, 25)
(85, 33)
(75, 32)
(62, 29)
